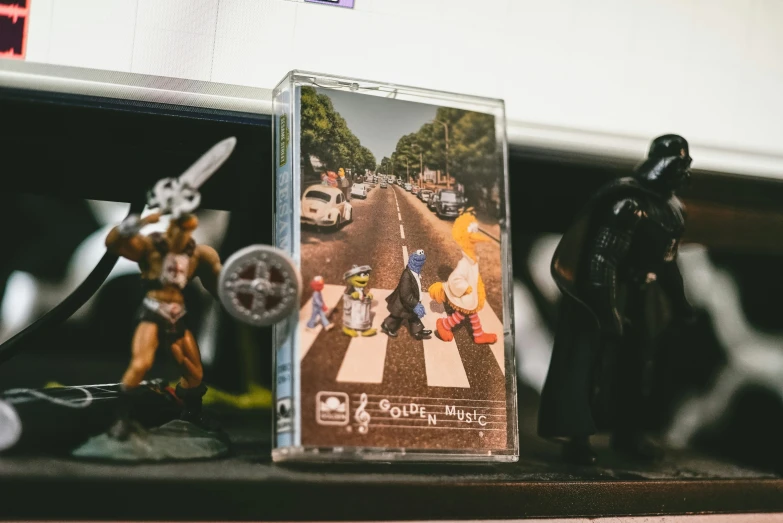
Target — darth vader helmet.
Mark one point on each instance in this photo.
(668, 163)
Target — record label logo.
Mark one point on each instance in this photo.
(331, 408)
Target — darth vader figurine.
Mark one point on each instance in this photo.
(617, 269)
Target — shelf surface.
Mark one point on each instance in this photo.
(248, 486)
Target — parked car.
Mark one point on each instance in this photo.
(384, 185)
(325, 206)
(450, 203)
(415, 189)
(424, 195)
(359, 190)
(432, 201)
(407, 187)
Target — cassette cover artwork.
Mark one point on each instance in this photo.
(397, 226)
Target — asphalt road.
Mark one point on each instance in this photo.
(451, 379)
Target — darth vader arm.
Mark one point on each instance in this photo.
(608, 250)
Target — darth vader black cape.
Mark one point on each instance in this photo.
(574, 399)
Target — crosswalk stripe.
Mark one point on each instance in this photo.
(332, 295)
(491, 323)
(441, 358)
(366, 356)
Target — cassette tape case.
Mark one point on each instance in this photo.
(393, 203)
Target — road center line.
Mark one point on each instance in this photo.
(404, 256)
(402, 232)
(399, 216)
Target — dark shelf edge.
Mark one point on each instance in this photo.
(156, 499)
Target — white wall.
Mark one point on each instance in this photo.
(600, 75)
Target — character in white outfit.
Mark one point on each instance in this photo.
(463, 293)
(357, 303)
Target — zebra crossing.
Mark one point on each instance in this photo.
(364, 361)
(365, 358)
(332, 295)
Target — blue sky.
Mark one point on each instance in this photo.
(379, 122)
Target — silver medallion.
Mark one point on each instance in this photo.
(260, 285)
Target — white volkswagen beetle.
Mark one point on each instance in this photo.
(325, 206)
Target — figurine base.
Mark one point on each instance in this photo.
(175, 441)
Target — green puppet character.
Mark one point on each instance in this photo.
(357, 302)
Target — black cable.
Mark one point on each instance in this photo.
(66, 308)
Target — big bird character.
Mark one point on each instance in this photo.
(463, 293)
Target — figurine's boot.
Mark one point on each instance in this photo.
(637, 445)
(350, 332)
(444, 332)
(422, 335)
(123, 426)
(417, 330)
(479, 336)
(390, 326)
(193, 398)
(577, 450)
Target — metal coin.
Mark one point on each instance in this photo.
(260, 285)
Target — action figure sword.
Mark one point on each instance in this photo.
(178, 196)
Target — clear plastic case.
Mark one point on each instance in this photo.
(393, 203)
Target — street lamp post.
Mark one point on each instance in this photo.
(446, 131)
(421, 168)
(421, 163)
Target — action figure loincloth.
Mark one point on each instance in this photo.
(168, 316)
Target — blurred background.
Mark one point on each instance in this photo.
(587, 85)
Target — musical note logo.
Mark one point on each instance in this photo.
(362, 417)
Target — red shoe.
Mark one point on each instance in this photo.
(485, 339)
(443, 333)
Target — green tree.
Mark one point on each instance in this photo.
(326, 136)
(473, 156)
(385, 166)
(406, 156)
(316, 123)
